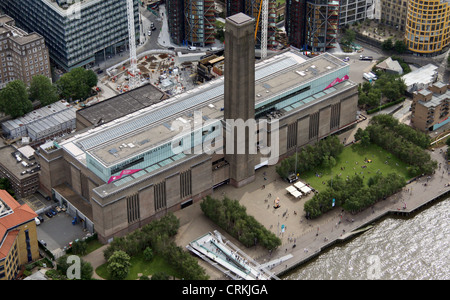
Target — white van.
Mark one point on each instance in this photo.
(38, 222)
(192, 48)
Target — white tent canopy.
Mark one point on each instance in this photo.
(305, 189)
(293, 191)
(299, 185)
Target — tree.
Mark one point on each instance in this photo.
(79, 247)
(160, 276)
(349, 37)
(387, 44)
(14, 99)
(41, 89)
(119, 265)
(400, 46)
(76, 84)
(148, 254)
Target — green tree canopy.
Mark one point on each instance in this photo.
(41, 89)
(119, 265)
(14, 99)
(76, 84)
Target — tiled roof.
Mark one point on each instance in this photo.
(19, 214)
(8, 242)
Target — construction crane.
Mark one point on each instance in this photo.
(133, 71)
(264, 8)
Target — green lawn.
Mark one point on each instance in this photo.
(139, 265)
(351, 160)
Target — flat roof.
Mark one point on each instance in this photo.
(39, 114)
(123, 104)
(12, 165)
(73, 8)
(425, 74)
(240, 18)
(436, 99)
(150, 127)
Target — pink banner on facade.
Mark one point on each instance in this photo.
(124, 172)
(337, 80)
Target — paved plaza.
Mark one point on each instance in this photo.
(308, 236)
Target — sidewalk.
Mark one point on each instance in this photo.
(308, 236)
(96, 259)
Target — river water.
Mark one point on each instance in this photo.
(415, 247)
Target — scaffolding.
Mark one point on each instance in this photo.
(200, 22)
(322, 24)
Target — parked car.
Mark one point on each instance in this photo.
(41, 219)
(49, 214)
(53, 212)
(37, 221)
(43, 242)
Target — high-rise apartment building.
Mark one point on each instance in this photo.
(322, 21)
(76, 32)
(175, 20)
(312, 24)
(352, 11)
(294, 22)
(22, 55)
(200, 21)
(427, 26)
(393, 13)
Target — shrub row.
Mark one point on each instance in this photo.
(233, 218)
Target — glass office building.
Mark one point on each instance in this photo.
(75, 32)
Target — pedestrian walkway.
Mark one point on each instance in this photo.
(96, 259)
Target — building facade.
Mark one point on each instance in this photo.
(322, 24)
(18, 236)
(351, 11)
(23, 55)
(77, 33)
(122, 174)
(191, 22)
(312, 24)
(427, 26)
(430, 107)
(21, 171)
(175, 21)
(394, 13)
(295, 22)
(199, 27)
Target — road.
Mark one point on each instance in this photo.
(358, 67)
